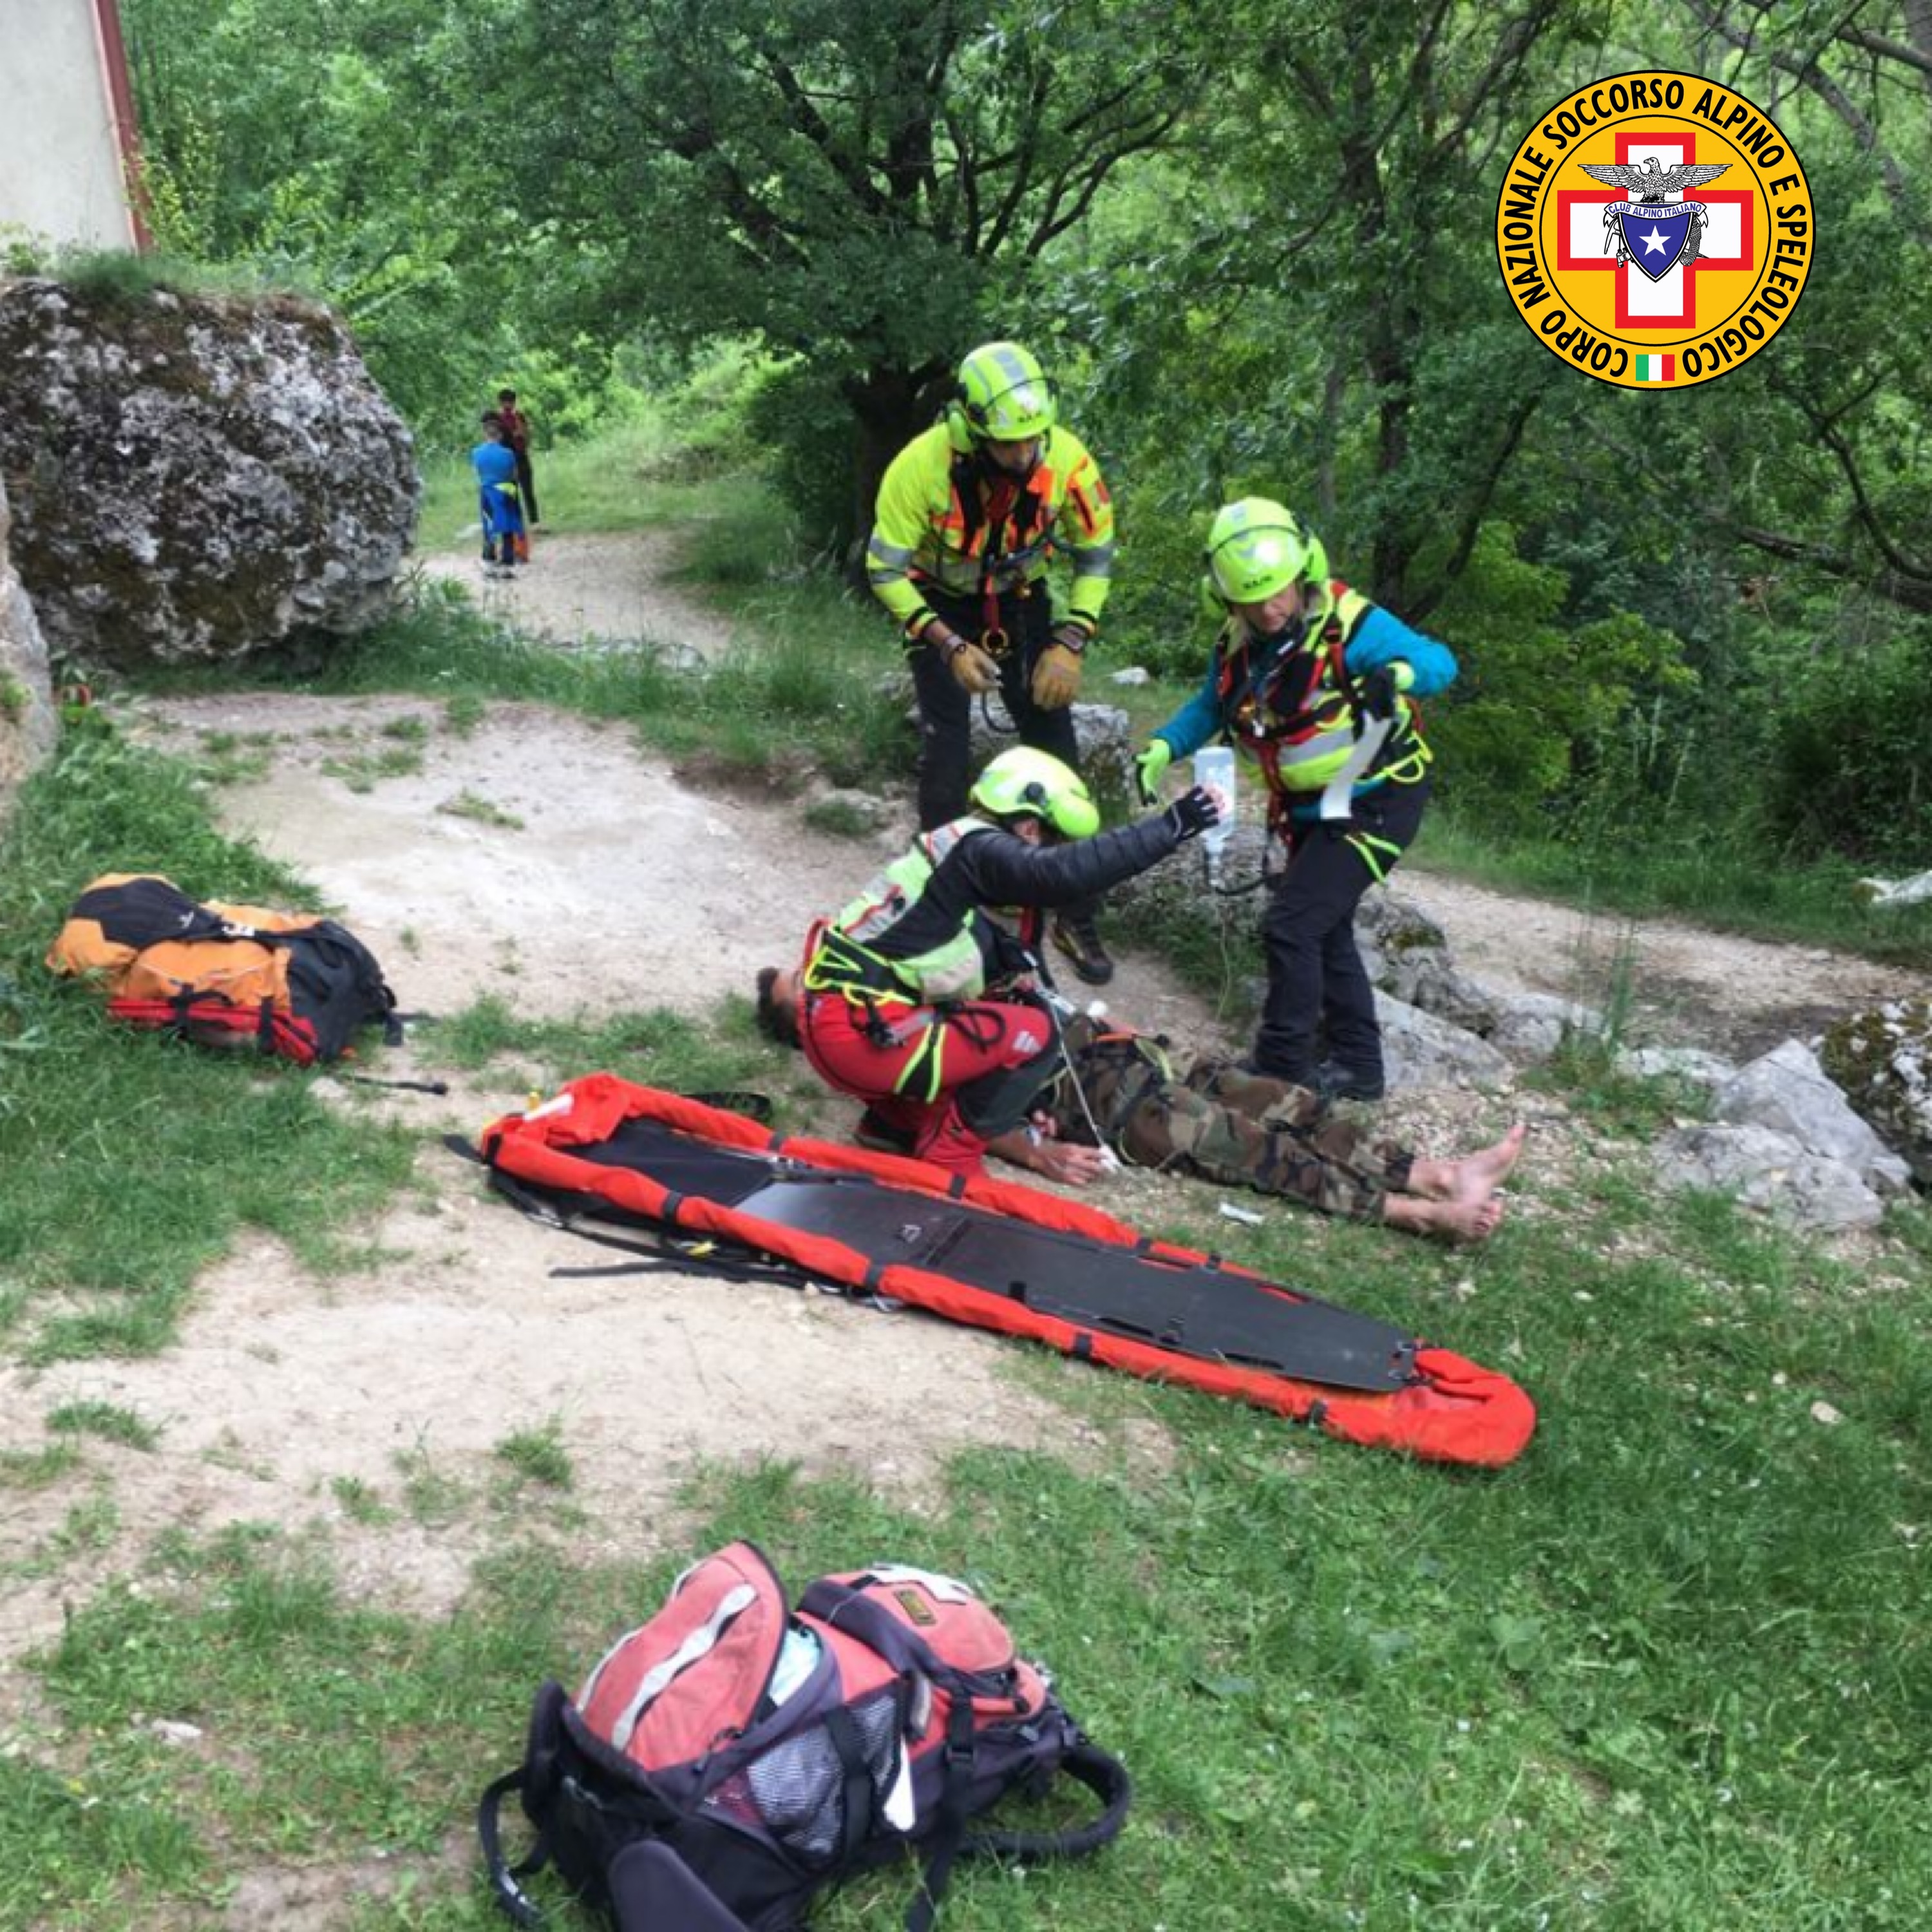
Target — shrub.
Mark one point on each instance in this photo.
(1851, 772)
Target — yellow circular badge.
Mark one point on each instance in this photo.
(1655, 230)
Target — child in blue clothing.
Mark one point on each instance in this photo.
(1314, 684)
(498, 499)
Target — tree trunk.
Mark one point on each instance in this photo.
(890, 406)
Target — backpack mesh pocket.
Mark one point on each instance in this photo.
(795, 1792)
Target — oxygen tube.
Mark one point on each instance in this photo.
(1059, 1008)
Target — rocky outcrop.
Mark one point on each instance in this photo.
(27, 723)
(1787, 1091)
(1882, 1059)
(1768, 1171)
(1421, 1049)
(194, 480)
(1107, 745)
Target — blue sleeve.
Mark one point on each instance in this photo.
(1197, 721)
(1382, 639)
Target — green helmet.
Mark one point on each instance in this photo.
(1256, 547)
(1004, 395)
(1026, 784)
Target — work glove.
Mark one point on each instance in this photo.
(1188, 817)
(1150, 767)
(974, 671)
(1381, 686)
(1056, 678)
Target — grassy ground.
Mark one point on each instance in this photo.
(1728, 891)
(1670, 1672)
(113, 1198)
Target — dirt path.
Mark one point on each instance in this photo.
(580, 589)
(543, 859)
(1739, 997)
(546, 859)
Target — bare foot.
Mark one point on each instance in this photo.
(1474, 1177)
(1477, 1176)
(1447, 1220)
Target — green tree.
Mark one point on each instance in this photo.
(282, 139)
(1323, 316)
(866, 184)
(1864, 396)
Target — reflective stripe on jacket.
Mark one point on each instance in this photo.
(954, 969)
(933, 525)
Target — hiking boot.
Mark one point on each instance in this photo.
(1079, 939)
(1334, 1082)
(882, 1136)
(1305, 1078)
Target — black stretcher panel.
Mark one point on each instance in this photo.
(1194, 1309)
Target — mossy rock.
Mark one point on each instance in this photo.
(1882, 1059)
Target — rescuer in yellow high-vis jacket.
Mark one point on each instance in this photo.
(969, 515)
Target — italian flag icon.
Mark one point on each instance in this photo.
(1657, 368)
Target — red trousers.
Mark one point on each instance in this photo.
(994, 1058)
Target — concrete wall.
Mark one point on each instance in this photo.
(63, 112)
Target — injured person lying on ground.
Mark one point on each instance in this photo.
(1116, 1094)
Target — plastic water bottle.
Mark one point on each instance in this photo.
(1214, 765)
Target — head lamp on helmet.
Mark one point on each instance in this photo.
(1026, 784)
(1004, 397)
(1256, 548)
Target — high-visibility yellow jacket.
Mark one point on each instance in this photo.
(948, 522)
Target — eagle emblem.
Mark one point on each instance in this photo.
(1650, 231)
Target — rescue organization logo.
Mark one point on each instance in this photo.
(1654, 229)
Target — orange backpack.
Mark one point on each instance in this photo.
(299, 986)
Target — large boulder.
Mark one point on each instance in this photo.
(27, 724)
(197, 479)
(1787, 1091)
(1883, 1058)
(1768, 1171)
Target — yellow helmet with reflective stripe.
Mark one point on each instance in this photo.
(1256, 547)
(1026, 784)
(1004, 396)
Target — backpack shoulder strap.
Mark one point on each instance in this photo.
(1104, 1775)
(516, 1902)
(1086, 1763)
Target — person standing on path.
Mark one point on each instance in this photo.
(517, 434)
(498, 501)
(1315, 685)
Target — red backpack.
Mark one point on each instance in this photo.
(732, 1757)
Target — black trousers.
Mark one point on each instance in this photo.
(946, 712)
(1317, 983)
(527, 483)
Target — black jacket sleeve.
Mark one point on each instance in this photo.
(995, 869)
(1001, 870)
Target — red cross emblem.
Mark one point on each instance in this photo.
(1670, 300)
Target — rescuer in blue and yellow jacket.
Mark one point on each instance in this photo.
(1304, 675)
(970, 514)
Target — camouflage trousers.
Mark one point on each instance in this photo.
(1226, 1125)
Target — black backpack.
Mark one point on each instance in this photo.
(732, 1757)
